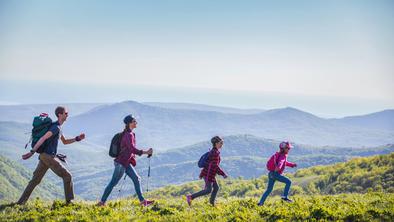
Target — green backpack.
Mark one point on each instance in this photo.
(41, 125)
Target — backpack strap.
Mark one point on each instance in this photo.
(209, 153)
(276, 157)
(45, 144)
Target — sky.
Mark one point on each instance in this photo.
(332, 58)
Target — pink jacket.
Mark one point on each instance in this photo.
(278, 160)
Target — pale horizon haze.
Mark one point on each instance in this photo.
(330, 58)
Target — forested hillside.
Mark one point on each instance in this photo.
(14, 178)
(359, 175)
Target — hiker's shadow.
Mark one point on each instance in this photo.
(3, 206)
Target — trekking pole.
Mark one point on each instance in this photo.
(31, 138)
(147, 186)
(121, 185)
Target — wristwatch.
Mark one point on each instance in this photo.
(32, 151)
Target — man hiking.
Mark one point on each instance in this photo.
(48, 158)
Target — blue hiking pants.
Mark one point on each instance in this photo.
(272, 177)
(117, 175)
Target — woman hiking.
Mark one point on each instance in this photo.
(276, 165)
(125, 162)
(209, 172)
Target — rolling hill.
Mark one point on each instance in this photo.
(358, 175)
(14, 178)
(90, 163)
(242, 156)
(237, 199)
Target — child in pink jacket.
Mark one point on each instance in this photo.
(276, 165)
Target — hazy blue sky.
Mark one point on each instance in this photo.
(306, 51)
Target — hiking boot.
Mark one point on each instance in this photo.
(287, 199)
(189, 199)
(70, 203)
(146, 203)
(100, 204)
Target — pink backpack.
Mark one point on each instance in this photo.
(271, 163)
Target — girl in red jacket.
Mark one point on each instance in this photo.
(209, 172)
(276, 165)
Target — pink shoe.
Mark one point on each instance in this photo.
(189, 199)
(100, 204)
(146, 203)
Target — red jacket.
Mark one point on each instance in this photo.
(212, 168)
(128, 150)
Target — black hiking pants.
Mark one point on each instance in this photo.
(207, 190)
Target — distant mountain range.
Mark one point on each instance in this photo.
(170, 125)
(168, 128)
(25, 113)
(383, 120)
(202, 107)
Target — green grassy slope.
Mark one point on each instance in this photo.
(237, 199)
(358, 175)
(344, 207)
(14, 178)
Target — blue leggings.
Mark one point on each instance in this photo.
(272, 177)
(117, 175)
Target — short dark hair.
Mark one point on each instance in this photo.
(128, 119)
(59, 110)
(216, 139)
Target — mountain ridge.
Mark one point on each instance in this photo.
(168, 128)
